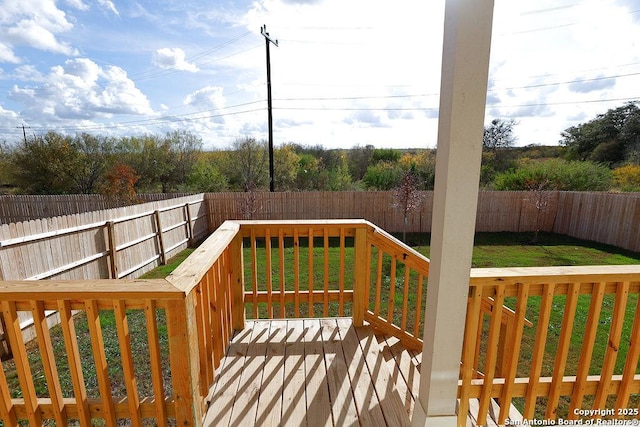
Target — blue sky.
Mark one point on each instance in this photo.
(345, 73)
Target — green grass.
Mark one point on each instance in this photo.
(288, 274)
(516, 250)
(164, 270)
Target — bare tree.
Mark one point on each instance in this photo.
(407, 198)
(539, 197)
(249, 204)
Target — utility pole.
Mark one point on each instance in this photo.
(24, 132)
(268, 40)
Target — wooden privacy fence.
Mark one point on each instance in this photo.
(612, 218)
(19, 208)
(497, 210)
(115, 243)
(118, 243)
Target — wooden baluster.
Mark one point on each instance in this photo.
(360, 276)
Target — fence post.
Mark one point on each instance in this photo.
(237, 283)
(5, 346)
(163, 255)
(360, 276)
(113, 252)
(189, 224)
(184, 360)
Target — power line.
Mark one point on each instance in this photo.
(154, 121)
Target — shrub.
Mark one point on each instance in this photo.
(556, 174)
(382, 176)
(627, 178)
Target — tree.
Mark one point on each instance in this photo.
(311, 174)
(205, 177)
(359, 159)
(609, 138)
(339, 177)
(540, 198)
(407, 198)
(183, 148)
(147, 158)
(285, 165)
(383, 176)
(162, 164)
(42, 164)
(6, 168)
(423, 164)
(91, 161)
(497, 143)
(498, 135)
(247, 164)
(120, 183)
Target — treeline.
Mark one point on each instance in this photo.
(602, 154)
(176, 162)
(599, 155)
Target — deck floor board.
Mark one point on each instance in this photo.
(315, 372)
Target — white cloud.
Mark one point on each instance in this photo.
(7, 55)
(207, 97)
(78, 4)
(172, 58)
(81, 90)
(27, 73)
(32, 34)
(108, 5)
(35, 24)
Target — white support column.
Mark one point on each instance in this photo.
(465, 65)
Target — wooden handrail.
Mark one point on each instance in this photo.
(186, 297)
(558, 291)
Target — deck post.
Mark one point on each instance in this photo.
(465, 64)
(237, 283)
(185, 360)
(360, 276)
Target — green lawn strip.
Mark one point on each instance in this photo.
(163, 271)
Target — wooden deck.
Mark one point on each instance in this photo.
(316, 372)
(307, 372)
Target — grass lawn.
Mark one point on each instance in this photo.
(491, 250)
(516, 250)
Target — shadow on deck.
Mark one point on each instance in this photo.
(317, 372)
(309, 372)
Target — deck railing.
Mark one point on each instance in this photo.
(185, 322)
(283, 269)
(581, 353)
(334, 268)
(87, 305)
